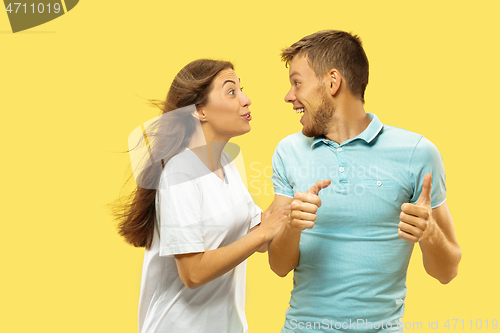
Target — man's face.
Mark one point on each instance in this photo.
(310, 97)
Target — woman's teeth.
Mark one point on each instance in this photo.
(300, 110)
(247, 116)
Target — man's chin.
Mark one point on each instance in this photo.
(308, 132)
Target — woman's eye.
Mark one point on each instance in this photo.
(241, 89)
(231, 92)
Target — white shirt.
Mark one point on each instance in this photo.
(196, 212)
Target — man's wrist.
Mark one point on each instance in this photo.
(431, 233)
(292, 230)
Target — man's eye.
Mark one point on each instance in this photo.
(296, 83)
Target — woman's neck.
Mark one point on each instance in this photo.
(207, 150)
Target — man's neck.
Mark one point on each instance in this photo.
(349, 120)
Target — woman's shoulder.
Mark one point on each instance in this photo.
(185, 164)
(226, 158)
(181, 163)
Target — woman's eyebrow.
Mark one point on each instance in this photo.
(229, 81)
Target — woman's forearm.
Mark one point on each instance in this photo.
(197, 269)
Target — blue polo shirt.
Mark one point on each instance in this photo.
(352, 268)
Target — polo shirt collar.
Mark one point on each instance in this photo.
(367, 135)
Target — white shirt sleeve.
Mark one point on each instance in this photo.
(255, 212)
(180, 219)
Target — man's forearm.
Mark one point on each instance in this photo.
(441, 256)
(284, 250)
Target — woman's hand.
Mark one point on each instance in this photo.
(273, 220)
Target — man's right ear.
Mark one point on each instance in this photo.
(334, 81)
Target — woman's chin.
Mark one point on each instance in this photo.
(243, 131)
(246, 129)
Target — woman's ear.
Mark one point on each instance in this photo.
(334, 80)
(200, 115)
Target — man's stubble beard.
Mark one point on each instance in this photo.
(320, 121)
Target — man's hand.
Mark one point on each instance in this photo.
(305, 206)
(416, 220)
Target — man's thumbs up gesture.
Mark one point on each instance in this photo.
(305, 206)
(416, 220)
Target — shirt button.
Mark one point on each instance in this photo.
(341, 169)
(339, 149)
(379, 183)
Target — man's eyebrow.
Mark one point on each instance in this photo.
(294, 73)
(229, 81)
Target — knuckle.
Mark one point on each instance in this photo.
(306, 197)
(401, 234)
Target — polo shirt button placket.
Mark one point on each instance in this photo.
(342, 170)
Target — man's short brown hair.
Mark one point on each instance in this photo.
(329, 49)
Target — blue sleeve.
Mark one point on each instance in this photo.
(279, 179)
(427, 159)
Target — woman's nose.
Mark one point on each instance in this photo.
(245, 100)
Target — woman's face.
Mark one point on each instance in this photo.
(226, 113)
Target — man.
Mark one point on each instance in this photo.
(350, 256)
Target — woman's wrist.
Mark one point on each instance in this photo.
(264, 235)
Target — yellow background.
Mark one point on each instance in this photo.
(73, 89)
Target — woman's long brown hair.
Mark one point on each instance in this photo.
(136, 212)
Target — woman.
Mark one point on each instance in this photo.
(192, 212)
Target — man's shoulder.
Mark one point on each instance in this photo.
(402, 133)
(407, 143)
(396, 136)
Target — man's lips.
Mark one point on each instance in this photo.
(301, 110)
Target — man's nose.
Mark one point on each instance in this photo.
(290, 96)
